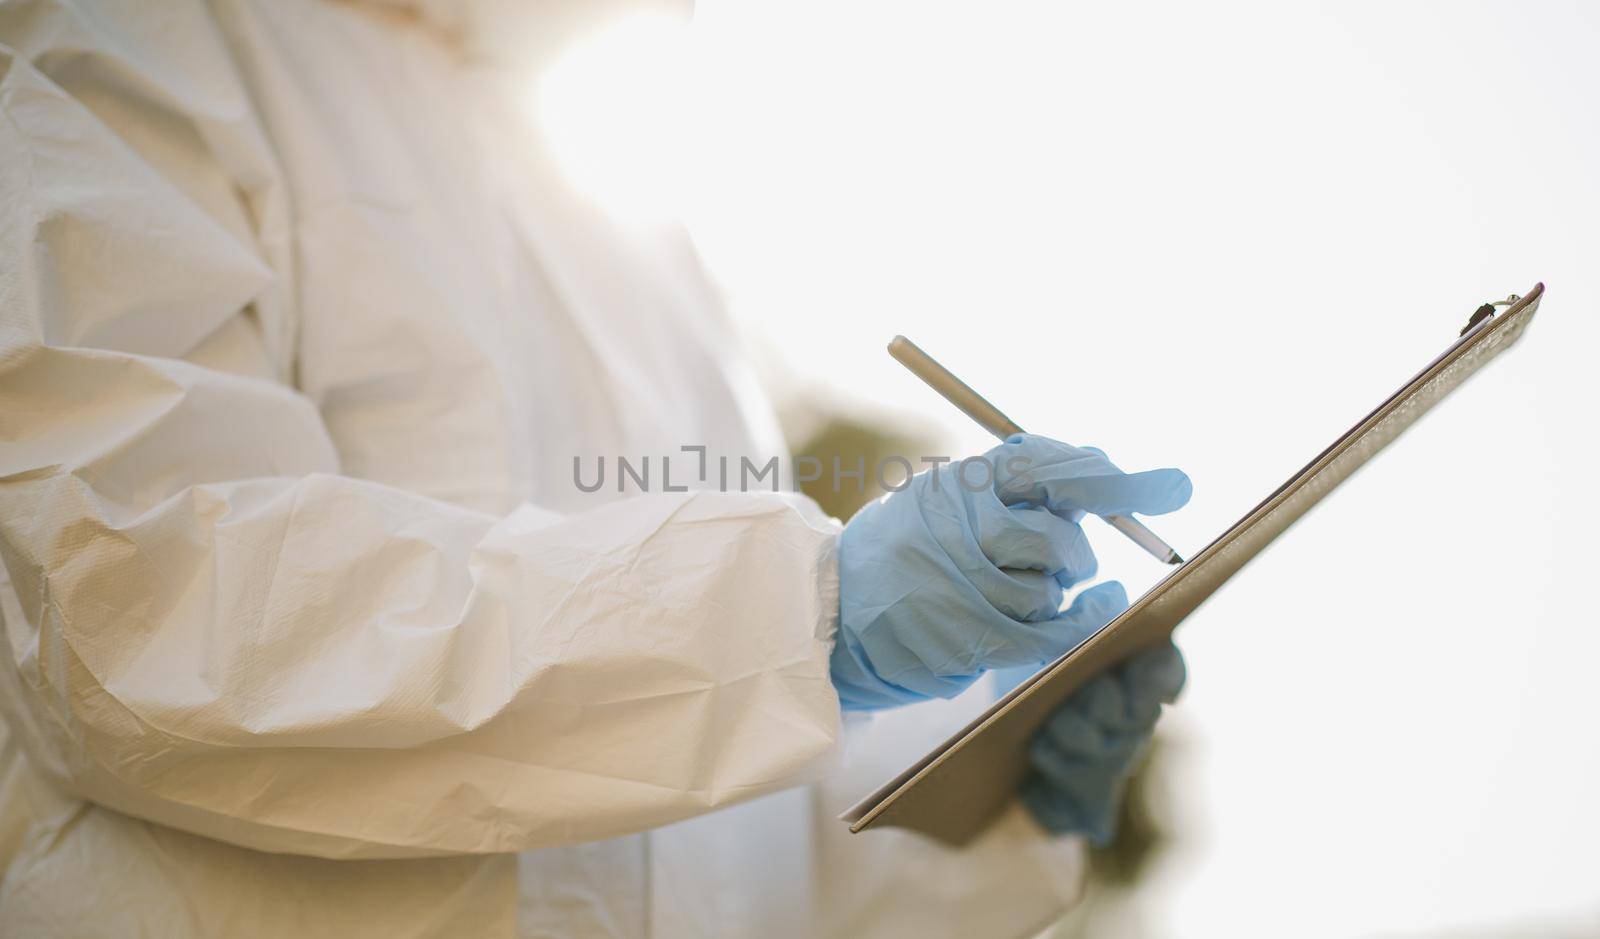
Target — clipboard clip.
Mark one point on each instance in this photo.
(1484, 312)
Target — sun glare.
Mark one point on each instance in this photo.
(620, 116)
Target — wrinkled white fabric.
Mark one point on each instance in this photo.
(300, 334)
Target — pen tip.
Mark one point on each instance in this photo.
(1174, 558)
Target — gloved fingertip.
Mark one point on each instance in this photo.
(1172, 675)
(1184, 490)
(1109, 599)
(1161, 491)
(1089, 611)
(1158, 672)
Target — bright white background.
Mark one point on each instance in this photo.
(1212, 236)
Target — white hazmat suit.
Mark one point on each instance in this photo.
(308, 630)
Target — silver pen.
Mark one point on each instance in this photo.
(989, 417)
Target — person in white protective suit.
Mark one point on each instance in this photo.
(308, 631)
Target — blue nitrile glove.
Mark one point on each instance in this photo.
(1082, 757)
(964, 570)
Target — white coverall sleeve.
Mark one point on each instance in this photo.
(223, 634)
(1012, 881)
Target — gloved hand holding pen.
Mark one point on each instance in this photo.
(965, 570)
